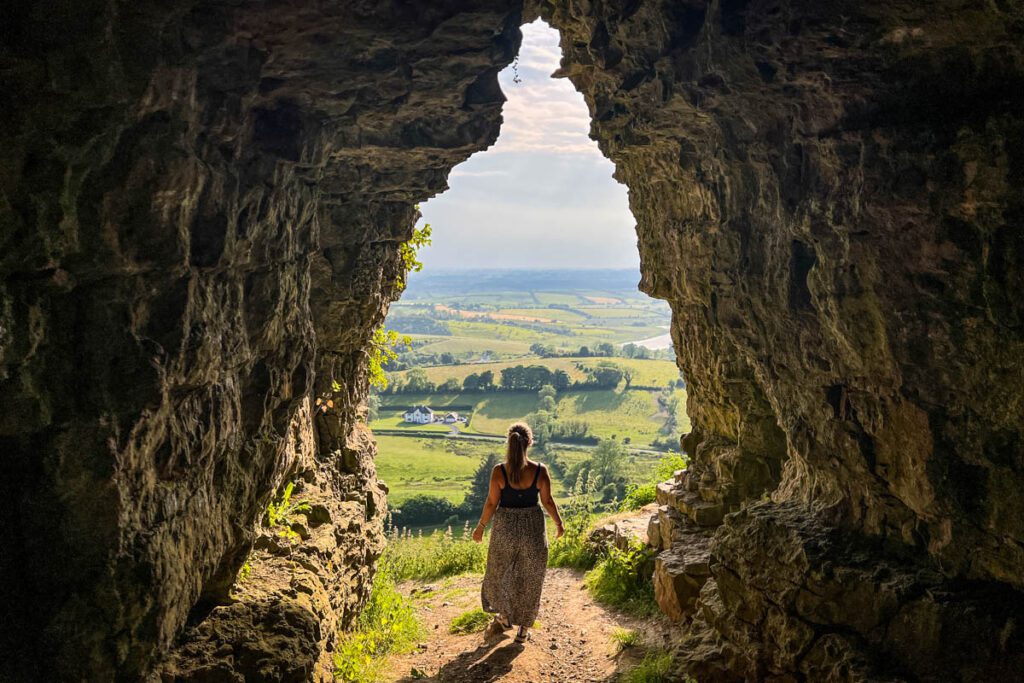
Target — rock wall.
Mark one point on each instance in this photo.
(201, 206)
(829, 196)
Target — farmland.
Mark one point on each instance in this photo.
(525, 332)
(643, 372)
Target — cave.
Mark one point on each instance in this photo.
(202, 207)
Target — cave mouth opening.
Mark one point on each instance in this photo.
(540, 209)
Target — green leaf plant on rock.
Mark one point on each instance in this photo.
(279, 514)
(381, 352)
(408, 252)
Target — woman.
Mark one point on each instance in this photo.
(517, 556)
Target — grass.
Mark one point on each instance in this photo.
(645, 372)
(634, 413)
(619, 580)
(549, 298)
(472, 621)
(618, 312)
(473, 345)
(387, 625)
(624, 638)
(440, 467)
(392, 419)
(433, 556)
(620, 413)
(558, 315)
(653, 668)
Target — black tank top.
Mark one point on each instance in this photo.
(520, 498)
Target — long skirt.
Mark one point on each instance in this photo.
(517, 559)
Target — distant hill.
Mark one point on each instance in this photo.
(488, 280)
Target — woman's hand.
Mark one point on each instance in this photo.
(478, 533)
(559, 531)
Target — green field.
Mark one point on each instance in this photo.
(559, 315)
(491, 319)
(644, 372)
(444, 467)
(392, 419)
(635, 413)
(438, 467)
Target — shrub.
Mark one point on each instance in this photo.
(434, 556)
(473, 621)
(571, 550)
(620, 580)
(638, 496)
(387, 625)
(422, 510)
(668, 464)
(642, 494)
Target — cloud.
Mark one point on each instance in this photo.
(544, 186)
(460, 172)
(542, 114)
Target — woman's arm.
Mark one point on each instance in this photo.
(490, 505)
(544, 484)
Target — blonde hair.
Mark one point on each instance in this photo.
(520, 437)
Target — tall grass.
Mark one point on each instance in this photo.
(387, 625)
(432, 556)
(653, 668)
(620, 580)
(571, 550)
(641, 494)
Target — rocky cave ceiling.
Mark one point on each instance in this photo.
(200, 207)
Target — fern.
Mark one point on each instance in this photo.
(279, 514)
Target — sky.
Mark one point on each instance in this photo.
(543, 196)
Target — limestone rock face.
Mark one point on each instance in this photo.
(829, 197)
(200, 206)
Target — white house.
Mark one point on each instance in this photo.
(451, 418)
(420, 415)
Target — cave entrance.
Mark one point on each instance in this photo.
(527, 308)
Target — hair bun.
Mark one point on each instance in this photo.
(522, 432)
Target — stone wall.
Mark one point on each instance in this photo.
(200, 206)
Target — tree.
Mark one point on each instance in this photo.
(561, 380)
(451, 385)
(448, 359)
(416, 382)
(479, 486)
(421, 510)
(486, 380)
(604, 349)
(541, 350)
(606, 376)
(629, 350)
(471, 382)
(546, 391)
(606, 462)
(372, 407)
(584, 351)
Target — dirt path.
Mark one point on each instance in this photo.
(572, 642)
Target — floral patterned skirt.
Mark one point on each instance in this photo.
(517, 559)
